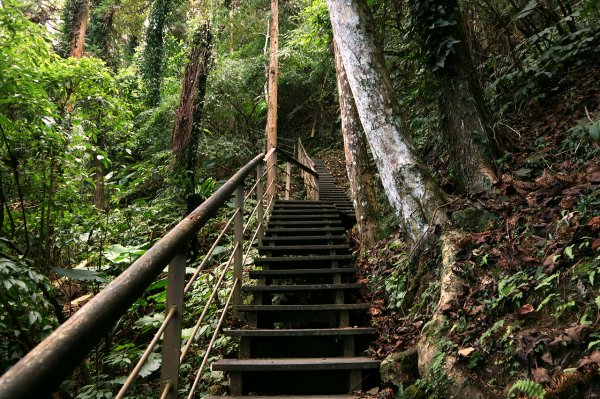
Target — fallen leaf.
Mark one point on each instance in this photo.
(547, 358)
(466, 352)
(594, 177)
(526, 310)
(594, 222)
(578, 333)
(541, 376)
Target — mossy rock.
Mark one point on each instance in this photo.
(474, 220)
(414, 392)
(399, 368)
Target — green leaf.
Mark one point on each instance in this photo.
(152, 364)
(569, 252)
(594, 130)
(79, 274)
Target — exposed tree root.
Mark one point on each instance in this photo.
(428, 347)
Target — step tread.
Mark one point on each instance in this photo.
(299, 332)
(317, 222)
(287, 397)
(301, 308)
(304, 287)
(293, 364)
(308, 216)
(299, 247)
(305, 238)
(308, 258)
(303, 229)
(295, 272)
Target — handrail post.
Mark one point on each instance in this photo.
(288, 179)
(238, 242)
(260, 214)
(169, 373)
(316, 178)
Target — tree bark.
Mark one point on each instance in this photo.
(153, 52)
(191, 103)
(413, 194)
(79, 27)
(466, 126)
(271, 129)
(357, 159)
(466, 119)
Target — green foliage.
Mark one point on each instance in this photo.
(26, 315)
(528, 387)
(433, 21)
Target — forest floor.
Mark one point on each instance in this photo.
(530, 256)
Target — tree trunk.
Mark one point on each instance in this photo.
(466, 119)
(357, 159)
(99, 199)
(101, 30)
(153, 53)
(271, 130)
(78, 27)
(190, 106)
(413, 194)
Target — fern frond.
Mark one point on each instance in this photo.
(530, 388)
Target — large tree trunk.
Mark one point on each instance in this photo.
(153, 53)
(79, 27)
(187, 129)
(466, 120)
(271, 130)
(188, 112)
(357, 159)
(101, 30)
(412, 192)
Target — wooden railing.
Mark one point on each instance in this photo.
(41, 371)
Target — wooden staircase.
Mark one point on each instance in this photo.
(306, 325)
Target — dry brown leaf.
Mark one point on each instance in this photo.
(526, 310)
(466, 352)
(541, 376)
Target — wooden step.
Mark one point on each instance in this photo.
(287, 397)
(296, 259)
(303, 247)
(287, 273)
(300, 211)
(305, 223)
(299, 332)
(296, 364)
(297, 202)
(330, 307)
(286, 239)
(306, 217)
(304, 230)
(303, 287)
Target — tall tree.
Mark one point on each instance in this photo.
(271, 129)
(357, 159)
(101, 29)
(412, 192)
(153, 52)
(466, 119)
(75, 19)
(186, 131)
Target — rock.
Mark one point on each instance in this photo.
(414, 392)
(474, 220)
(399, 368)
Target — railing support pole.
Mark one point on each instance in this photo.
(260, 214)
(316, 179)
(238, 242)
(169, 373)
(288, 179)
